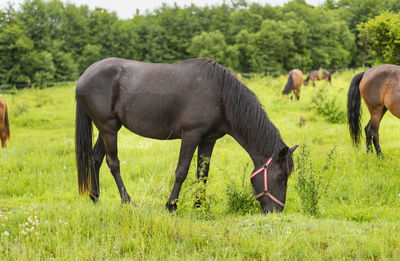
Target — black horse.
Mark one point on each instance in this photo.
(196, 100)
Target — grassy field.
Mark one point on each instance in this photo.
(43, 217)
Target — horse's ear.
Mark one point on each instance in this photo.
(284, 151)
(292, 149)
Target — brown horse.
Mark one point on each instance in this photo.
(294, 82)
(380, 89)
(4, 128)
(316, 75)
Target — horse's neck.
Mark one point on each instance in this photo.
(254, 153)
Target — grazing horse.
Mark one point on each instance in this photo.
(380, 89)
(4, 127)
(294, 82)
(197, 101)
(316, 75)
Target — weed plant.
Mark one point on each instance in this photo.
(327, 107)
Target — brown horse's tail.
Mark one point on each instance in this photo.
(83, 149)
(6, 124)
(329, 77)
(289, 85)
(353, 108)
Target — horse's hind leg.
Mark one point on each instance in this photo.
(110, 144)
(296, 92)
(188, 147)
(3, 135)
(98, 155)
(204, 152)
(376, 118)
(368, 136)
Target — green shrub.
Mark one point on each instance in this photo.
(309, 186)
(328, 108)
(240, 196)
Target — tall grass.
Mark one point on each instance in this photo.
(42, 216)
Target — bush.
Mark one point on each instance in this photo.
(240, 196)
(328, 108)
(309, 185)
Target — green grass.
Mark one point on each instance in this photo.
(43, 217)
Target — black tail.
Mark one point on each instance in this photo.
(289, 85)
(83, 149)
(353, 108)
(329, 78)
(306, 80)
(6, 124)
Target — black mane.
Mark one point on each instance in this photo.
(244, 110)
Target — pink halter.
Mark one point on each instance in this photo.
(266, 192)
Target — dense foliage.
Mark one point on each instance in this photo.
(43, 41)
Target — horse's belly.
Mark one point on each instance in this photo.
(152, 116)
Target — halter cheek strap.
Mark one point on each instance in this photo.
(266, 191)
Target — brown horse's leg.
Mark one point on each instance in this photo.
(98, 155)
(204, 152)
(3, 135)
(110, 143)
(368, 136)
(188, 147)
(297, 93)
(376, 118)
(313, 82)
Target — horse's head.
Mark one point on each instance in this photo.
(270, 180)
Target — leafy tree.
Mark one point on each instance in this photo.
(245, 45)
(66, 67)
(91, 54)
(100, 30)
(211, 45)
(41, 68)
(74, 26)
(15, 46)
(244, 19)
(381, 37)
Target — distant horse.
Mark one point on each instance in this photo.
(316, 75)
(196, 100)
(4, 127)
(380, 89)
(294, 82)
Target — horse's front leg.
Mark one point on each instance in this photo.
(204, 152)
(188, 147)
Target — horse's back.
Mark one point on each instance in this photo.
(150, 99)
(380, 85)
(297, 77)
(3, 109)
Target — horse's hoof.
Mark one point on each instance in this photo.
(198, 203)
(95, 199)
(127, 200)
(171, 206)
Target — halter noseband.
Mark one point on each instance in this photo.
(266, 191)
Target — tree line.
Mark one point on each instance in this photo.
(43, 41)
